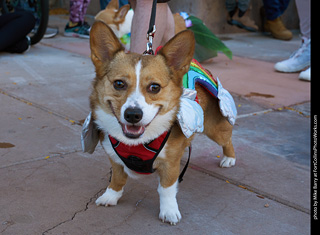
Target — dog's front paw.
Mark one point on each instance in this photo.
(170, 214)
(227, 162)
(109, 198)
(169, 210)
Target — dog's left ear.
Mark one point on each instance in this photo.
(178, 52)
(103, 44)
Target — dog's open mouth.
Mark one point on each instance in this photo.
(132, 131)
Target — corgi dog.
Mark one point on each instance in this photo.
(134, 104)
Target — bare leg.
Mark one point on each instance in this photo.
(140, 24)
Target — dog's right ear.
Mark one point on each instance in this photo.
(121, 14)
(103, 44)
(178, 52)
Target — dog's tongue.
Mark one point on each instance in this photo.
(133, 131)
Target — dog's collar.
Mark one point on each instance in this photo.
(140, 158)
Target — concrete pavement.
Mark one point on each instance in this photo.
(48, 186)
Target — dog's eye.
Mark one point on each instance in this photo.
(119, 85)
(154, 88)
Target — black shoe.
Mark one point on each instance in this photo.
(21, 46)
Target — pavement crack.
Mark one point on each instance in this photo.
(75, 213)
(137, 205)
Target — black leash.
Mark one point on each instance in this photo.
(152, 17)
(152, 29)
(185, 167)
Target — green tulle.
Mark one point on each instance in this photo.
(207, 44)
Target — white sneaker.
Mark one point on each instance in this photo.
(298, 60)
(305, 75)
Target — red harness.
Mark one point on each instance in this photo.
(140, 158)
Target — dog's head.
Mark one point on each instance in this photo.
(136, 97)
(119, 20)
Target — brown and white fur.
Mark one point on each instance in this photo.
(153, 85)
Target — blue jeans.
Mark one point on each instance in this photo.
(275, 8)
(104, 3)
(241, 4)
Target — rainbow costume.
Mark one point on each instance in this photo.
(190, 116)
(197, 74)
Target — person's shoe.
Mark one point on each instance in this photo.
(305, 75)
(298, 60)
(29, 43)
(242, 20)
(87, 26)
(77, 30)
(21, 46)
(277, 29)
(51, 32)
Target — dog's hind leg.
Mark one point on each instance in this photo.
(115, 189)
(221, 134)
(229, 158)
(217, 127)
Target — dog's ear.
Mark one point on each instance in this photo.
(178, 52)
(113, 4)
(121, 14)
(103, 44)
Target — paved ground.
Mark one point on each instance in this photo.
(48, 186)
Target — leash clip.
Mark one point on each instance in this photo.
(150, 37)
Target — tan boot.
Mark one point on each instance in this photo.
(243, 22)
(246, 21)
(277, 29)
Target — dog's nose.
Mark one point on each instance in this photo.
(133, 115)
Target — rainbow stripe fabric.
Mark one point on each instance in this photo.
(197, 74)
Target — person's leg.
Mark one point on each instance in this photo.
(169, 31)
(303, 7)
(305, 29)
(123, 2)
(84, 9)
(231, 6)
(240, 15)
(140, 24)
(76, 27)
(300, 59)
(273, 10)
(75, 12)
(103, 4)
(243, 5)
(14, 28)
